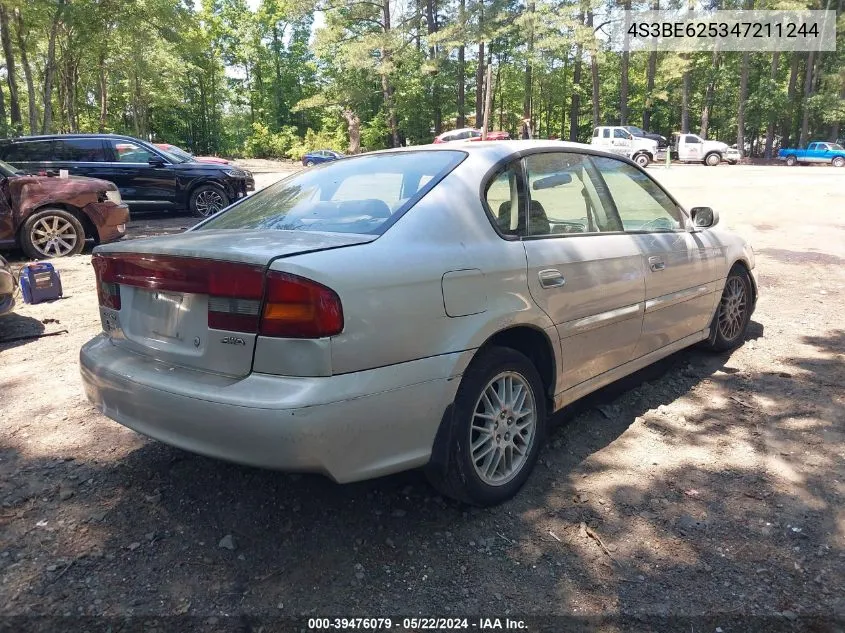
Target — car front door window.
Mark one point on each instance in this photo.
(128, 152)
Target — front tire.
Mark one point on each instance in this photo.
(206, 200)
(791, 161)
(497, 428)
(734, 312)
(838, 162)
(712, 159)
(642, 160)
(309, 163)
(52, 233)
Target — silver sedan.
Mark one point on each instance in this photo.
(426, 307)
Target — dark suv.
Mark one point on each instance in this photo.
(148, 178)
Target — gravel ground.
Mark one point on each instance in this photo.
(705, 485)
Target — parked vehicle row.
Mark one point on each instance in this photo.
(818, 152)
(425, 307)
(147, 177)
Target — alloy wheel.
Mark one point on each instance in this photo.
(54, 236)
(503, 428)
(209, 202)
(732, 309)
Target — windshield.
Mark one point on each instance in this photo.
(7, 169)
(357, 195)
(633, 129)
(836, 147)
(176, 154)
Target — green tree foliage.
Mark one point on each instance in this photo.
(258, 78)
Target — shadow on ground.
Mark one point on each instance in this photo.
(736, 512)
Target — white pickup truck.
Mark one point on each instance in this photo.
(618, 140)
(691, 148)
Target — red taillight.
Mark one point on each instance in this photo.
(296, 307)
(108, 292)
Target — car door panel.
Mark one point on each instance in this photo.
(680, 267)
(591, 285)
(598, 310)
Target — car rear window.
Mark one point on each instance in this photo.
(353, 195)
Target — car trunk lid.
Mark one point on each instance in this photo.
(195, 299)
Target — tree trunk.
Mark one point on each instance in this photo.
(433, 27)
(651, 71)
(770, 128)
(623, 85)
(594, 69)
(787, 121)
(743, 96)
(708, 94)
(386, 86)
(479, 85)
(50, 70)
(527, 100)
(353, 122)
(27, 71)
(687, 81)
(11, 76)
(462, 70)
(808, 92)
(4, 125)
(277, 62)
(575, 100)
(104, 95)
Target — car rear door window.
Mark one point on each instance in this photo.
(84, 150)
(640, 203)
(29, 152)
(567, 196)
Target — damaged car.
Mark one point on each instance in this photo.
(49, 216)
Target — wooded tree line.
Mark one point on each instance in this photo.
(215, 76)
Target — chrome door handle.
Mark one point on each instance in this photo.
(551, 278)
(655, 263)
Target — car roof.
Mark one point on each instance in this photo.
(52, 137)
(497, 150)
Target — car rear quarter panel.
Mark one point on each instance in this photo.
(392, 289)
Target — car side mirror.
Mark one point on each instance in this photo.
(704, 217)
(156, 161)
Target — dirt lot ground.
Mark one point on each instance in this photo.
(707, 485)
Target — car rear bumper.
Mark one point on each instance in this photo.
(349, 427)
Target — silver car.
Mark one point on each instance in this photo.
(426, 307)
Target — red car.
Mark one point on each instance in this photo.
(178, 151)
(48, 216)
(470, 134)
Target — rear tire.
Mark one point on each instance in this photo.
(52, 233)
(838, 162)
(712, 159)
(497, 426)
(791, 161)
(206, 200)
(734, 312)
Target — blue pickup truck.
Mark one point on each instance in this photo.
(818, 152)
